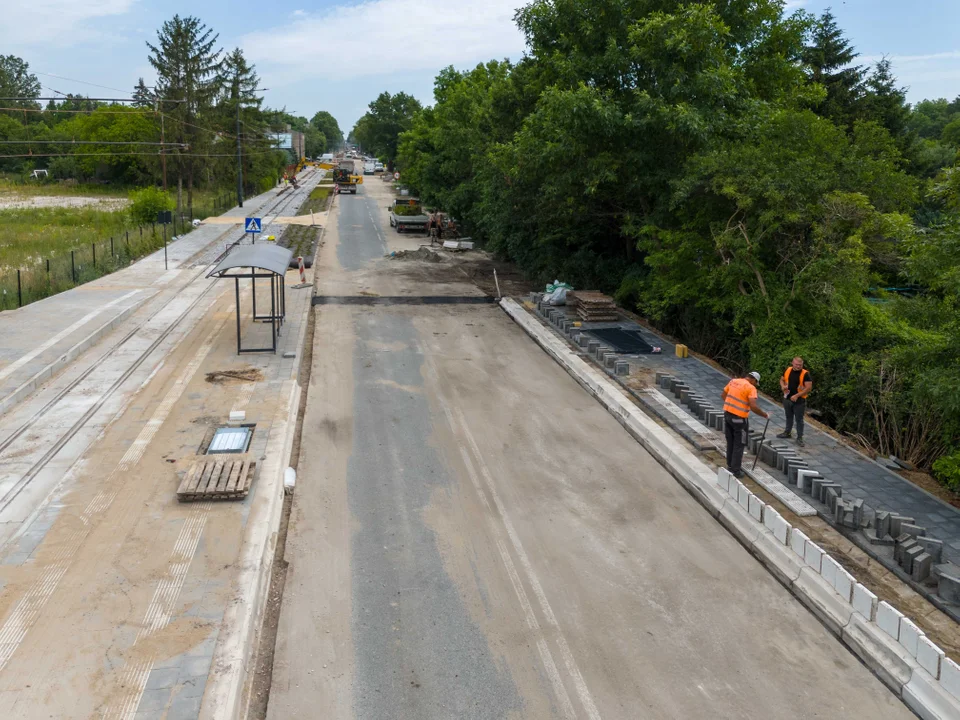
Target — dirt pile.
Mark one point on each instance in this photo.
(422, 253)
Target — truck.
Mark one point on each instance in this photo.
(343, 176)
(407, 214)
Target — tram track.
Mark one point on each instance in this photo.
(279, 205)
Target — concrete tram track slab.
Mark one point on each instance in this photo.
(44, 337)
(102, 554)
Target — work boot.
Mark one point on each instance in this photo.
(784, 435)
(738, 474)
(800, 441)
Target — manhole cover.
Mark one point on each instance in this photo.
(629, 342)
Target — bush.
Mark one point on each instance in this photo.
(63, 168)
(147, 202)
(947, 470)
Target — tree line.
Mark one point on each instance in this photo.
(181, 132)
(729, 171)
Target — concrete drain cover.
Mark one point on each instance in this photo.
(629, 342)
(230, 440)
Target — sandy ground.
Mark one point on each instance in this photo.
(13, 202)
(473, 536)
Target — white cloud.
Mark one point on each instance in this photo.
(63, 22)
(379, 37)
(906, 59)
(929, 75)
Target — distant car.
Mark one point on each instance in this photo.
(378, 167)
(368, 168)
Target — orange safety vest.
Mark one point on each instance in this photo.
(739, 392)
(803, 377)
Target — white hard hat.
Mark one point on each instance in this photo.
(755, 375)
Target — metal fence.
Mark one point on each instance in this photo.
(88, 262)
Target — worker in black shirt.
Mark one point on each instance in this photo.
(796, 384)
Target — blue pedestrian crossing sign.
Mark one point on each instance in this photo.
(252, 225)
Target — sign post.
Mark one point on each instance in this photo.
(253, 225)
(164, 218)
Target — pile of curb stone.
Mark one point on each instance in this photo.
(889, 643)
(920, 557)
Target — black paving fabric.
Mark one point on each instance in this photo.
(629, 342)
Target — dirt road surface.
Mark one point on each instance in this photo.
(473, 536)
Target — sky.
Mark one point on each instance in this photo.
(339, 55)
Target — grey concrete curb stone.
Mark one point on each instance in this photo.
(926, 695)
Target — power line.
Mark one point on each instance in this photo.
(82, 82)
(79, 98)
(91, 142)
(113, 153)
(99, 111)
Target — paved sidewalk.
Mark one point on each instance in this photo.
(861, 477)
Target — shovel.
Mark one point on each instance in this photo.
(760, 444)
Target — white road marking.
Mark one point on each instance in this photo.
(563, 698)
(583, 691)
(458, 421)
(26, 612)
(16, 364)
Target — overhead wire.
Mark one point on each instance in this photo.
(135, 154)
(166, 149)
(82, 82)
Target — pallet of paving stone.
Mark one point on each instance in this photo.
(596, 307)
(217, 477)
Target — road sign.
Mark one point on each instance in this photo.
(164, 217)
(396, 176)
(252, 225)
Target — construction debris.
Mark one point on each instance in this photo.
(421, 253)
(593, 306)
(457, 245)
(246, 375)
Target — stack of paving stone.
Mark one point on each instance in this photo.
(919, 556)
(699, 406)
(593, 306)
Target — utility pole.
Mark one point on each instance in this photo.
(163, 155)
(239, 161)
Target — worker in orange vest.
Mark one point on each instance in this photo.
(796, 384)
(739, 398)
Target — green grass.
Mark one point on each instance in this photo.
(32, 235)
(317, 201)
(16, 185)
(58, 248)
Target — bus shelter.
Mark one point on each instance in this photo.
(256, 262)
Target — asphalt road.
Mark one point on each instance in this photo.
(473, 536)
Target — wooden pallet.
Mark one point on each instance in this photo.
(217, 477)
